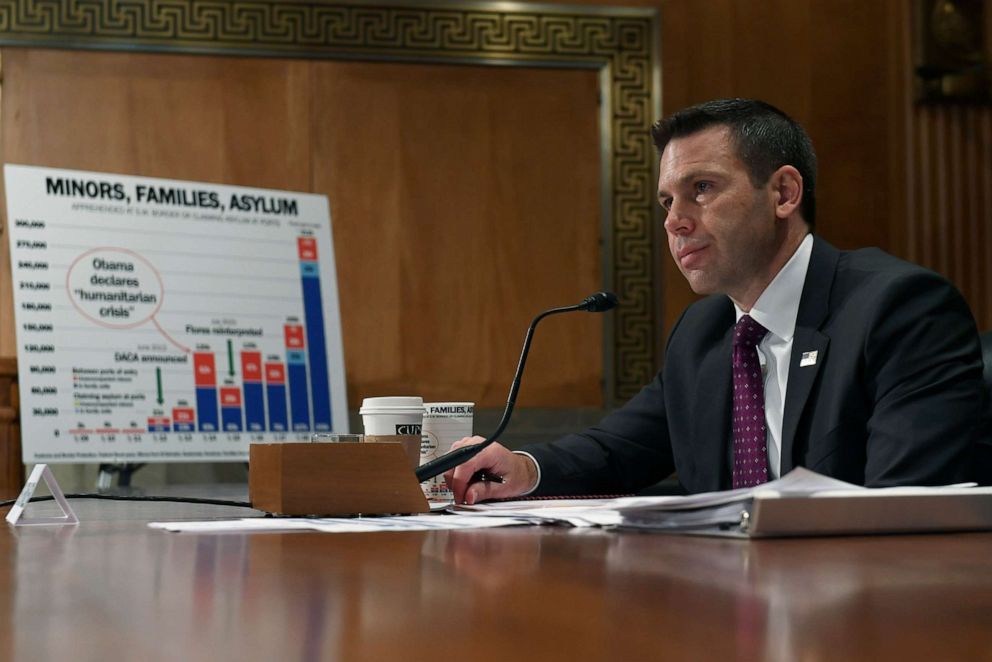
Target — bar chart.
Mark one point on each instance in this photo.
(162, 332)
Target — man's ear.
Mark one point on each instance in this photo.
(787, 189)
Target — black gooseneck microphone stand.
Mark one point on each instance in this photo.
(596, 303)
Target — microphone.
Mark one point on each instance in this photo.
(599, 302)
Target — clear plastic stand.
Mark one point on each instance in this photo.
(41, 471)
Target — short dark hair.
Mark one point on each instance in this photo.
(764, 137)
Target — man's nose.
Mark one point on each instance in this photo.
(677, 221)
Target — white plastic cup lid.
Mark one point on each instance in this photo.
(391, 403)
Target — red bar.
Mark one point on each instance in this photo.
(183, 415)
(294, 336)
(275, 373)
(230, 396)
(251, 366)
(203, 368)
(307, 247)
(158, 420)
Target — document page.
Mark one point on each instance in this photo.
(339, 524)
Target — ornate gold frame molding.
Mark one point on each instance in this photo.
(620, 43)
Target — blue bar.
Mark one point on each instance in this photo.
(158, 428)
(231, 417)
(277, 407)
(184, 427)
(254, 406)
(299, 397)
(206, 408)
(313, 311)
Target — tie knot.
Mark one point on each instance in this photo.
(748, 333)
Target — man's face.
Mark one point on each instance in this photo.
(722, 231)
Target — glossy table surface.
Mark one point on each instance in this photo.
(111, 588)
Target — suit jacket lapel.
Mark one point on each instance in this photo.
(803, 369)
(711, 415)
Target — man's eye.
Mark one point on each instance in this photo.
(666, 204)
(703, 187)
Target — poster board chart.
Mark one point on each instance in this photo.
(167, 320)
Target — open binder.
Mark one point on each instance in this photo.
(804, 503)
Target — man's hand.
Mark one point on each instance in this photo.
(518, 472)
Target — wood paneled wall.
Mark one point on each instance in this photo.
(828, 63)
(948, 185)
(912, 180)
(948, 226)
(464, 199)
(467, 198)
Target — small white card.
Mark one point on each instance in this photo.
(40, 472)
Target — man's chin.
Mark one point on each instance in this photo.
(698, 283)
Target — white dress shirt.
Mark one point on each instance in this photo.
(776, 310)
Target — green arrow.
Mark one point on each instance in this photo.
(230, 358)
(158, 380)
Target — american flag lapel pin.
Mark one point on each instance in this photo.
(807, 359)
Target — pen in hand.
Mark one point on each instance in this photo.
(483, 476)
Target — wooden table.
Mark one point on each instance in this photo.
(111, 588)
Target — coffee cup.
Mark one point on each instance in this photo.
(444, 424)
(395, 419)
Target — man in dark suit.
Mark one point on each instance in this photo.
(856, 365)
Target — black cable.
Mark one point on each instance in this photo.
(597, 303)
(117, 497)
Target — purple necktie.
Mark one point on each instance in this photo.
(750, 433)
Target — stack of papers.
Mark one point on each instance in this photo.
(804, 503)
(801, 503)
(571, 512)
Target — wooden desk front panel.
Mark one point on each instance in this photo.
(114, 588)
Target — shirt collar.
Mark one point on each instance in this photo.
(777, 307)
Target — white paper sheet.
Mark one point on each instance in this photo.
(340, 525)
